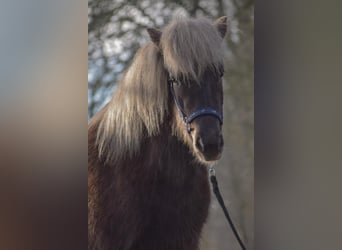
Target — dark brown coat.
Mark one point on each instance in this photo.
(156, 201)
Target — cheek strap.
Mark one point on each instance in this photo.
(188, 119)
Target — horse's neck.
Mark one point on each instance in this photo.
(167, 155)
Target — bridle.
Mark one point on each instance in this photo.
(188, 119)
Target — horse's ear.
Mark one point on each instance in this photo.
(154, 35)
(221, 25)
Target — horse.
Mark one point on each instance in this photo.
(150, 147)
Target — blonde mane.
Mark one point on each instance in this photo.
(137, 110)
(191, 46)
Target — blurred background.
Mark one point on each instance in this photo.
(117, 29)
(44, 108)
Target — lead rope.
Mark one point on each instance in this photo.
(221, 202)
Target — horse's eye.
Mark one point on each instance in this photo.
(177, 83)
(221, 74)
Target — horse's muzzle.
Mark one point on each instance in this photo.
(209, 146)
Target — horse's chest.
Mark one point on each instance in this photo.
(174, 211)
(177, 199)
(177, 192)
(162, 209)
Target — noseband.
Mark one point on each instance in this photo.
(188, 119)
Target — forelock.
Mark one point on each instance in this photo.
(191, 46)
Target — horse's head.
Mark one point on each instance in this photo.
(199, 108)
(193, 60)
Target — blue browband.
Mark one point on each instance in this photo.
(198, 113)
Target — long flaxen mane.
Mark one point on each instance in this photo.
(140, 104)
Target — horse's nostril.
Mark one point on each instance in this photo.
(221, 143)
(199, 144)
